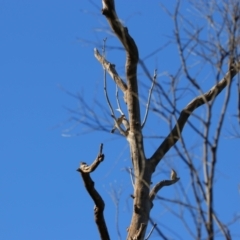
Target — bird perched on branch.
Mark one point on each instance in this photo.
(173, 175)
(118, 123)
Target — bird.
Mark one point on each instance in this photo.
(118, 122)
(173, 175)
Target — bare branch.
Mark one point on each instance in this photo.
(117, 121)
(175, 134)
(150, 233)
(117, 125)
(106, 93)
(118, 102)
(124, 121)
(111, 70)
(223, 228)
(131, 62)
(85, 171)
(160, 185)
(115, 194)
(149, 98)
(131, 176)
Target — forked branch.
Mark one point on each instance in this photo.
(175, 134)
(132, 58)
(85, 171)
(110, 68)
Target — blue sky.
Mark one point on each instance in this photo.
(46, 48)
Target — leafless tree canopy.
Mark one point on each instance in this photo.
(213, 43)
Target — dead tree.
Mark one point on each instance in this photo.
(131, 125)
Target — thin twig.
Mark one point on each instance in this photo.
(149, 97)
(158, 230)
(105, 81)
(150, 233)
(174, 135)
(118, 102)
(131, 176)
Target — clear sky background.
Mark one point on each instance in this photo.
(46, 50)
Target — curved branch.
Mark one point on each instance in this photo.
(131, 63)
(85, 171)
(175, 134)
(109, 12)
(160, 185)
